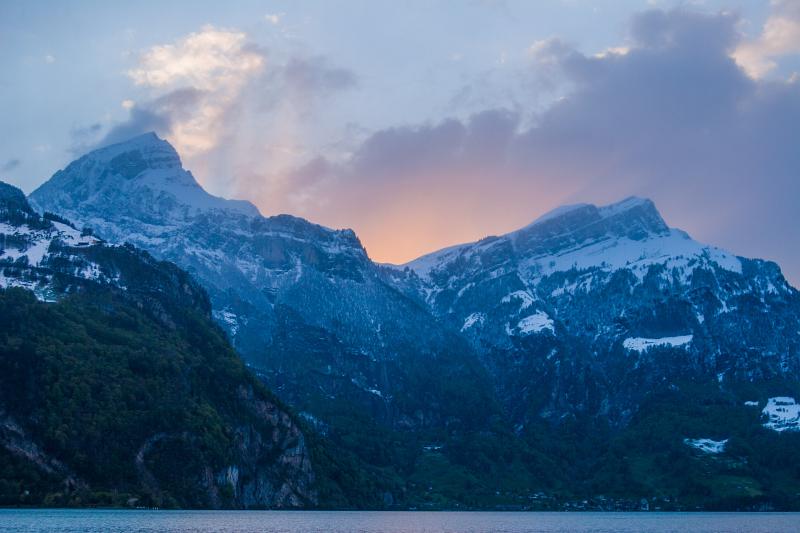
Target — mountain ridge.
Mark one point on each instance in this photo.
(643, 221)
(152, 146)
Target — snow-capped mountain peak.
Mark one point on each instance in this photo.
(580, 236)
(582, 212)
(567, 260)
(631, 202)
(141, 179)
(138, 192)
(155, 151)
(633, 218)
(590, 287)
(576, 211)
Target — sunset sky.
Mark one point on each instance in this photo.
(427, 123)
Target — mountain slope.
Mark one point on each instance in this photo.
(117, 389)
(635, 343)
(595, 289)
(252, 266)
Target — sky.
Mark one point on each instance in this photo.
(422, 124)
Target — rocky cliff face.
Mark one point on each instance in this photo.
(114, 378)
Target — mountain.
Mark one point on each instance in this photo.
(320, 323)
(116, 388)
(619, 297)
(593, 359)
(666, 365)
(252, 266)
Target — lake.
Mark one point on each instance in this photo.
(117, 521)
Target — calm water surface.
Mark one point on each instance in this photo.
(12, 520)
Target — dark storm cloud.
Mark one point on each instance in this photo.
(674, 118)
(403, 151)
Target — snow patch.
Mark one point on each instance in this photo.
(622, 206)
(228, 318)
(73, 237)
(675, 250)
(783, 414)
(365, 388)
(535, 323)
(707, 445)
(526, 300)
(474, 318)
(465, 288)
(640, 344)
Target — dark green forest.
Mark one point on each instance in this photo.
(96, 376)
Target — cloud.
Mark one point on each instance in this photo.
(273, 18)
(674, 118)
(314, 75)
(779, 37)
(84, 138)
(165, 115)
(550, 52)
(672, 115)
(225, 102)
(209, 60)
(10, 165)
(215, 64)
